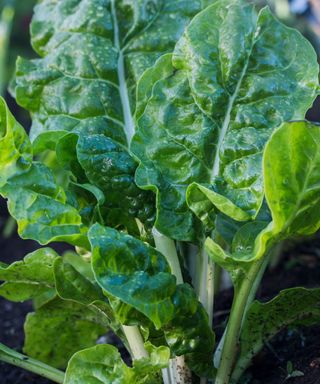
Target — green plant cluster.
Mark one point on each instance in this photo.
(168, 140)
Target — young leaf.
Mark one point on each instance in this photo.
(15, 146)
(29, 278)
(232, 81)
(264, 320)
(103, 364)
(292, 178)
(59, 328)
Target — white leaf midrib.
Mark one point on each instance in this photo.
(227, 119)
(123, 89)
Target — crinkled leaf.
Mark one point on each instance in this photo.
(59, 328)
(235, 77)
(102, 364)
(109, 166)
(72, 285)
(264, 320)
(134, 272)
(138, 276)
(39, 205)
(29, 278)
(93, 53)
(15, 147)
(191, 336)
(292, 178)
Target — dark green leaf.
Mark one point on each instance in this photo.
(231, 83)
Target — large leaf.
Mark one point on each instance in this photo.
(29, 278)
(291, 174)
(264, 320)
(103, 365)
(59, 328)
(135, 273)
(235, 76)
(93, 52)
(139, 276)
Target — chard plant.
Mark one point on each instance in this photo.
(168, 142)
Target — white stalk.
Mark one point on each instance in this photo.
(135, 342)
(123, 89)
(177, 371)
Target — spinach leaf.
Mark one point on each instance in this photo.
(207, 117)
(103, 364)
(30, 277)
(60, 328)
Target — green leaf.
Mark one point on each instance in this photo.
(109, 166)
(292, 177)
(29, 278)
(89, 66)
(96, 365)
(165, 144)
(264, 320)
(204, 127)
(138, 276)
(134, 272)
(82, 263)
(59, 328)
(72, 285)
(191, 336)
(102, 364)
(15, 147)
(40, 207)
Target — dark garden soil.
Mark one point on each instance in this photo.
(299, 267)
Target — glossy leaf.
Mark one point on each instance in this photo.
(232, 82)
(59, 328)
(139, 276)
(29, 278)
(102, 364)
(98, 50)
(15, 147)
(109, 166)
(40, 207)
(72, 285)
(134, 272)
(292, 178)
(264, 320)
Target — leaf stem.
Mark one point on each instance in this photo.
(167, 247)
(124, 94)
(244, 295)
(10, 356)
(135, 342)
(177, 372)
